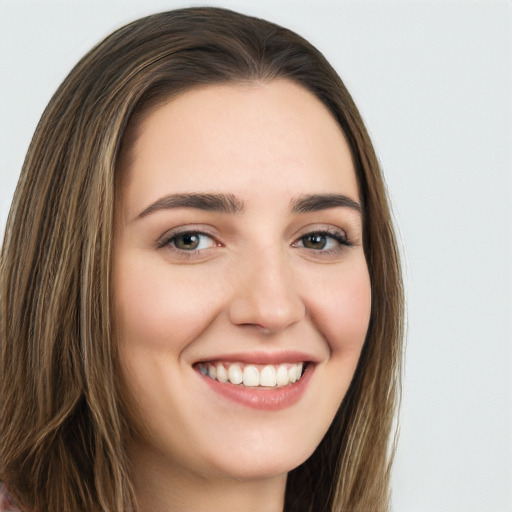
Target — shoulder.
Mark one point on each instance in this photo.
(6, 502)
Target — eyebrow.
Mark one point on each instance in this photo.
(223, 203)
(319, 202)
(230, 204)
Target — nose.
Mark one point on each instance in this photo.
(265, 294)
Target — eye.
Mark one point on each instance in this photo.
(317, 241)
(189, 241)
(324, 241)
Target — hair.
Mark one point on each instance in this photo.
(63, 431)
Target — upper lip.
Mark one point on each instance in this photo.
(264, 357)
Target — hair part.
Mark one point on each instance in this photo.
(63, 429)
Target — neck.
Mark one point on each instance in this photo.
(163, 487)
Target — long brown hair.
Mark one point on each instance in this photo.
(62, 445)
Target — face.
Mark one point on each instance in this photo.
(242, 295)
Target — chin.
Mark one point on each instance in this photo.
(263, 454)
(258, 468)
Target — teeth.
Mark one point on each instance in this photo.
(222, 374)
(235, 374)
(282, 376)
(268, 377)
(253, 376)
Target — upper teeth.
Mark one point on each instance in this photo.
(252, 375)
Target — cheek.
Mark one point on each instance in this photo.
(340, 307)
(159, 308)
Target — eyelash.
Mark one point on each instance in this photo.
(338, 236)
(169, 241)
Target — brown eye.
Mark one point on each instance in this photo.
(187, 241)
(314, 241)
(323, 241)
(191, 241)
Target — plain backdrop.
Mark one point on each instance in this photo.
(433, 81)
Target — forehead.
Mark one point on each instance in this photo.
(273, 137)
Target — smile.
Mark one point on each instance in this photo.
(264, 381)
(251, 375)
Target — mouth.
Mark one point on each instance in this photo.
(266, 376)
(256, 382)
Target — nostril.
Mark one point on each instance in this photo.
(267, 316)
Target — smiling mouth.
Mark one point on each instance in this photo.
(252, 375)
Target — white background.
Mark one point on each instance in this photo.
(433, 81)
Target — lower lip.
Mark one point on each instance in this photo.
(270, 399)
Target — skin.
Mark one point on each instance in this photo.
(256, 283)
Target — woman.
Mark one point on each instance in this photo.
(201, 295)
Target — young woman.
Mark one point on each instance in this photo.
(201, 303)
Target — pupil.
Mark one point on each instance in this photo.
(315, 241)
(188, 241)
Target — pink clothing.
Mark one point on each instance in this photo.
(6, 502)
